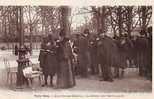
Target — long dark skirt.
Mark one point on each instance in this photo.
(65, 76)
(51, 65)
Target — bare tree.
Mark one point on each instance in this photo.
(145, 13)
(32, 18)
(50, 19)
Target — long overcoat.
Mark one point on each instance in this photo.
(83, 55)
(108, 55)
(51, 60)
(142, 54)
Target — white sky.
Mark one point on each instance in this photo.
(75, 18)
(78, 20)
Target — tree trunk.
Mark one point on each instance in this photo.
(31, 31)
(21, 59)
(31, 39)
(119, 14)
(143, 9)
(65, 13)
(129, 21)
(65, 77)
(103, 17)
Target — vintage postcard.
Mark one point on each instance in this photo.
(90, 49)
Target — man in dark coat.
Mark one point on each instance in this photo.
(128, 49)
(120, 61)
(149, 66)
(83, 54)
(93, 55)
(134, 50)
(142, 56)
(106, 56)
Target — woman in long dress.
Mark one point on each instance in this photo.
(65, 74)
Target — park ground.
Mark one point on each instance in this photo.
(131, 83)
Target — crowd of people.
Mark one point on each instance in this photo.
(88, 54)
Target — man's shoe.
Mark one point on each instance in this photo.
(110, 80)
(44, 85)
(101, 79)
(51, 85)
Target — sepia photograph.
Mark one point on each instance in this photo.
(69, 49)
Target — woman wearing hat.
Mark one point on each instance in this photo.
(65, 76)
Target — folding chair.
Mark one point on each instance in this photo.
(32, 71)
